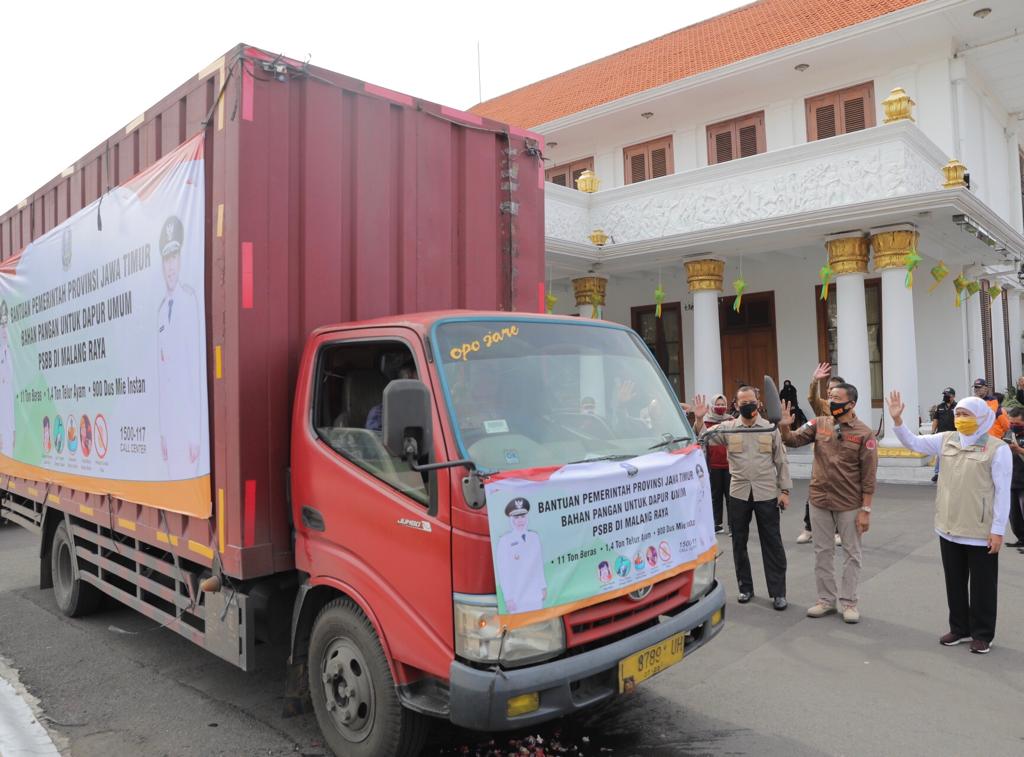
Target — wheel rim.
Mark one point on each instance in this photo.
(348, 689)
(65, 572)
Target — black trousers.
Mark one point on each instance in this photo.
(1017, 513)
(972, 578)
(772, 552)
(719, 491)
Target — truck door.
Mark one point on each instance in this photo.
(362, 516)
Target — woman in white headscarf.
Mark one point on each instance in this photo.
(972, 503)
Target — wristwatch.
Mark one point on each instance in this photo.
(784, 491)
(866, 508)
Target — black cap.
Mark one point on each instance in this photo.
(172, 236)
(949, 390)
(518, 506)
(980, 382)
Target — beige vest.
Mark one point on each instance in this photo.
(965, 494)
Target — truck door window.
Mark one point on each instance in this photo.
(347, 411)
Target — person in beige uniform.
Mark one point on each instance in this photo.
(759, 486)
(841, 490)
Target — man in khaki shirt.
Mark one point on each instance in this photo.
(841, 490)
(760, 487)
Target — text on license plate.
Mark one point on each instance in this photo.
(645, 663)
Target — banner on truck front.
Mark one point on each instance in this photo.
(103, 345)
(570, 537)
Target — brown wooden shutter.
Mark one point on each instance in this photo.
(720, 143)
(636, 164)
(559, 177)
(660, 161)
(822, 121)
(858, 107)
(750, 135)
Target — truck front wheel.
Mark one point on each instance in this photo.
(353, 692)
(74, 596)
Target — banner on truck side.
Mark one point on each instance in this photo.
(570, 537)
(103, 345)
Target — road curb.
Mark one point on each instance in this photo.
(21, 729)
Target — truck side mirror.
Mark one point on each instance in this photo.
(407, 422)
(772, 401)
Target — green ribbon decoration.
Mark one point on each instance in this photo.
(659, 297)
(739, 285)
(825, 274)
(913, 261)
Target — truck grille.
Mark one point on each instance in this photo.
(604, 622)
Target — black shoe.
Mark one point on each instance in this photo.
(721, 530)
(744, 596)
(780, 603)
(935, 478)
(1018, 544)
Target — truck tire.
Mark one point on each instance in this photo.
(354, 696)
(74, 596)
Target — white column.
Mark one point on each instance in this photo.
(848, 257)
(590, 292)
(705, 282)
(998, 341)
(899, 337)
(1013, 303)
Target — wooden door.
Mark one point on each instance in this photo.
(664, 337)
(749, 347)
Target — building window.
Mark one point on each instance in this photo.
(736, 138)
(565, 175)
(650, 160)
(664, 337)
(827, 341)
(841, 112)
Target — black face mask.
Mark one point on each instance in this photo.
(947, 398)
(747, 409)
(837, 408)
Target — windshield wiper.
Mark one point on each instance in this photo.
(615, 456)
(669, 439)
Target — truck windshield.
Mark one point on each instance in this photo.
(526, 394)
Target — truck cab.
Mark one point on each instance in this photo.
(398, 614)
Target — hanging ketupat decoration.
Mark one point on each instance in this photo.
(739, 285)
(993, 292)
(939, 272)
(825, 274)
(913, 261)
(659, 297)
(972, 288)
(549, 302)
(959, 284)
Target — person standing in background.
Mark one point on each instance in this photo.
(942, 419)
(1015, 438)
(819, 407)
(1001, 424)
(718, 460)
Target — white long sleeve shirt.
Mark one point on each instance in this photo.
(1002, 471)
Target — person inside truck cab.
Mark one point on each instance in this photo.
(407, 370)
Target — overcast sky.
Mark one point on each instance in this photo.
(75, 72)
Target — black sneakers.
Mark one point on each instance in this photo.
(952, 639)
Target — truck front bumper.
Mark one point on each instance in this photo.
(479, 698)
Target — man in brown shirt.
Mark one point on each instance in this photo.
(819, 406)
(841, 490)
(759, 487)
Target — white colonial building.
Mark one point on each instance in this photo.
(781, 139)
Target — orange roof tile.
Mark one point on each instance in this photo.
(754, 29)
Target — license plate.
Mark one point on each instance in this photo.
(646, 663)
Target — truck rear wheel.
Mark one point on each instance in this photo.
(354, 695)
(74, 596)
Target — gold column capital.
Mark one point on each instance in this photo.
(848, 254)
(892, 246)
(954, 172)
(590, 290)
(705, 275)
(898, 106)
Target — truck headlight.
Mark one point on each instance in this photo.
(703, 577)
(478, 636)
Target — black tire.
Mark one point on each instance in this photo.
(74, 596)
(347, 664)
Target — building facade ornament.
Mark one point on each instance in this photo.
(590, 290)
(705, 275)
(892, 246)
(848, 254)
(898, 106)
(954, 172)
(588, 182)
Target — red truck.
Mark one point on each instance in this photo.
(346, 462)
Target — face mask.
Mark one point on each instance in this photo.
(946, 398)
(720, 409)
(747, 409)
(966, 425)
(837, 408)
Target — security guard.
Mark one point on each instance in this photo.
(520, 562)
(7, 389)
(759, 486)
(180, 344)
(942, 419)
(842, 488)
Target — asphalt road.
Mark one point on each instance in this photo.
(771, 684)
